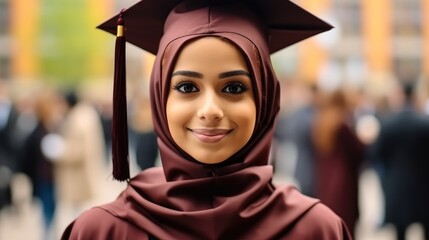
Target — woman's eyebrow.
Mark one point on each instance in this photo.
(234, 73)
(188, 74)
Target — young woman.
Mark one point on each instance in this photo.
(214, 98)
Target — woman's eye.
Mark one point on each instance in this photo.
(235, 88)
(186, 87)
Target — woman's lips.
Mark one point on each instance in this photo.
(210, 135)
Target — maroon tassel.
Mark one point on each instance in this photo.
(121, 171)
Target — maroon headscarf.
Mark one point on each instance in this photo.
(236, 23)
(232, 200)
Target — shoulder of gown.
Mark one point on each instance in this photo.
(320, 222)
(99, 224)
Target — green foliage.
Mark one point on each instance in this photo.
(68, 41)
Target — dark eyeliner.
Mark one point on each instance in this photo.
(241, 85)
(179, 85)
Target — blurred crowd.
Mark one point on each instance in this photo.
(333, 142)
(363, 154)
(54, 155)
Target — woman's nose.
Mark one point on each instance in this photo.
(210, 108)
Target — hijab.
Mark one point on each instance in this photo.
(186, 199)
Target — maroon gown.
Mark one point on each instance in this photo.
(277, 213)
(337, 175)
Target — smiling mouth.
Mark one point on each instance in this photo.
(210, 135)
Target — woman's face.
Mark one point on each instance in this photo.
(211, 110)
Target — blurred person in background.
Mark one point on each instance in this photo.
(49, 109)
(294, 128)
(17, 121)
(401, 153)
(95, 95)
(145, 139)
(23, 218)
(338, 155)
(78, 153)
(8, 151)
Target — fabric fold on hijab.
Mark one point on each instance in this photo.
(211, 207)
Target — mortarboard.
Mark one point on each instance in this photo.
(286, 22)
(142, 25)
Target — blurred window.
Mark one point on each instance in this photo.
(349, 15)
(407, 18)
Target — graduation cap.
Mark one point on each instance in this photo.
(143, 25)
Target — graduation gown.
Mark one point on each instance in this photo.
(297, 218)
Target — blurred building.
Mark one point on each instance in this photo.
(4, 39)
(371, 40)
